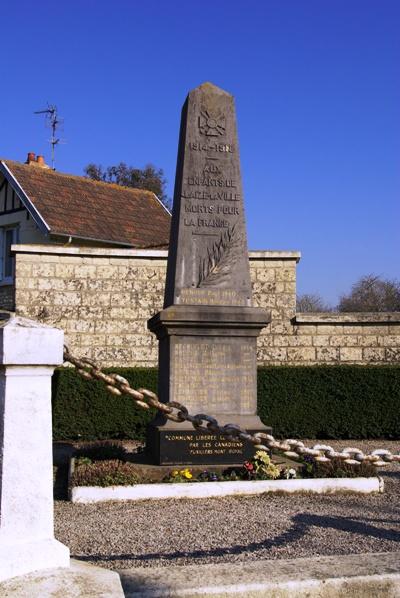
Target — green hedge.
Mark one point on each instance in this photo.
(85, 410)
(331, 401)
(304, 402)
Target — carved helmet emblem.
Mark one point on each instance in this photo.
(211, 124)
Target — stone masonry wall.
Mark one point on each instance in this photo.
(102, 298)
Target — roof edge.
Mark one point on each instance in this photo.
(106, 241)
(162, 204)
(23, 196)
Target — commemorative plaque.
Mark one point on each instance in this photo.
(208, 328)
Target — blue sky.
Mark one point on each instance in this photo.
(317, 88)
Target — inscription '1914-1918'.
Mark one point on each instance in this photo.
(222, 148)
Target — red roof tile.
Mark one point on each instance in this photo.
(80, 207)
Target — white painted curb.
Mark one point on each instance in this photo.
(88, 494)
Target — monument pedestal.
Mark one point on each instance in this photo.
(207, 361)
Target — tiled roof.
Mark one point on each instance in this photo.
(80, 207)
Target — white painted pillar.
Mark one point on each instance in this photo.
(29, 351)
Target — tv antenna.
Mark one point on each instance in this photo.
(54, 122)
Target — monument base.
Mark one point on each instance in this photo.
(180, 444)
(208, 362)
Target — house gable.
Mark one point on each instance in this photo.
(69, 207)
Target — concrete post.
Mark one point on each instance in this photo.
(29, 351)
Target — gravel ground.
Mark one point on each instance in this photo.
(120, 535)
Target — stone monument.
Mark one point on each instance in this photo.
(208, 328)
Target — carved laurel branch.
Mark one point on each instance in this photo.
(220, 259)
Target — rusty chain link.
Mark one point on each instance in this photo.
(293, 449)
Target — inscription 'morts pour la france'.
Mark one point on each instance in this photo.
(208, 264)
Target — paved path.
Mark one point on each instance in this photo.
(222, 530)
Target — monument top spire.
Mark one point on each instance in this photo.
(207, 86)
(208, 263)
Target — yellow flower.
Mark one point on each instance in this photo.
(175, 473)
(187, 474)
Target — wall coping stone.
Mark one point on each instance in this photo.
(145, 253)
(347, 318)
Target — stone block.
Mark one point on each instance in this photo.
(265, 340)
(372, 354)
(121, 299)
(74, 339)
(365, 329)
(286, 275)
(393, 354)
(290, 287)
(369, 340)
(85, 271)
(101, 299)
(96, 261)
(351, 353)
(27, 283)
(23, 270)
(107, 272)
(47, 284)
(118, 355)
(327, 354)
(321, 341)
(329, 329)
(391, 341)
(266, 354)
(82, 326)
(85, 352)
(44, 269)
(125, 313)
(279, 327)
(110, 326)
(277, 314)
(299, 341)
(119, 261)
(64, 270)
(264, 301)
(286, 300)
(27, 257)
(280, 340)
(92, 312)
(92, 340)
(74, 284)
(342, 340)
(67, 298)
(22, 297)
(71, 259)
(305, 329)
(301, 354)
(266, 275)
(50, 259)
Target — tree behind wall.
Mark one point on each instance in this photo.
(311, 302)
(149, 178)
(372, 293)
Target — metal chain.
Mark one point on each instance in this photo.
(294, 449)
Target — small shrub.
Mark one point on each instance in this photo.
(336, 468)
(105, 473)
(102, 450)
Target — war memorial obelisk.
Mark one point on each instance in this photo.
(208, 328)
